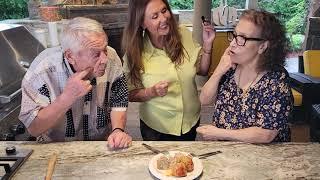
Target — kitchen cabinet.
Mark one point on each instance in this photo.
(220, 44)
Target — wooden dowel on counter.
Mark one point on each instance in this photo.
(51, 165)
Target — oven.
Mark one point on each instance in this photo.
(18, 48)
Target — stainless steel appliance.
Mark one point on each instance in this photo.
(12, 160)
(18, 48)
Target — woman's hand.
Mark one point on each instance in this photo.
(225, 63)
(208, 35)
(142, 95)
(160, 89)
(209, 132)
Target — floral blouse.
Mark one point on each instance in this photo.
(266, 104)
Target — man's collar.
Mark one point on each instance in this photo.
(93, 82)
(69, 67)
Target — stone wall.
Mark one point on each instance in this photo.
(312, 40)
(185, 16)
(112, 17)
(313, 34)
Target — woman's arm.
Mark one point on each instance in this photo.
(249, 135)
(205, 61)
(208, 35)
(142, 95)
(209, 90)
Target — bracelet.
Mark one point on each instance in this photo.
(206, 52)
(145, 93)
(118, 129)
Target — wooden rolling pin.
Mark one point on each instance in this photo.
(51, 165)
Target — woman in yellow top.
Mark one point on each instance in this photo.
(161, 62)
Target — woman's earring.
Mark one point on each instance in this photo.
(143, 32)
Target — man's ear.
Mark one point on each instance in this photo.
(263, 47)
(70, 57)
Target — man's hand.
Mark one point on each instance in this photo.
(118, 139)
(77, 85)
(50, 116)
(209, 132)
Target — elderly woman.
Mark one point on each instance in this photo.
(249, 87)
(161, 63)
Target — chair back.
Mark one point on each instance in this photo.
(311, 61)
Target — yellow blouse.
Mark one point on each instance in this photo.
(179, 110)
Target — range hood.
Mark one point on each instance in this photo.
(18, 48)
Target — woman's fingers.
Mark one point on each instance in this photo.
(161, 88)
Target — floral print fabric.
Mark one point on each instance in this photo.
(266, 104)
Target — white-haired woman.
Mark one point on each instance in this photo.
(77, 91)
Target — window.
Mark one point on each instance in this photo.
(292, 13)
(188, 4)
(239, 4)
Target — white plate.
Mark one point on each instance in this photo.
(159, 173)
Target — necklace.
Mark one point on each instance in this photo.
(244, 91)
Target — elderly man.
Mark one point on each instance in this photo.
(77, 91)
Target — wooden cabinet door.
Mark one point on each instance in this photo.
(220, 44)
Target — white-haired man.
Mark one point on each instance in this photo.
(77, 91)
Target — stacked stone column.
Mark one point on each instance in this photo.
(201, 8)
(312, 40)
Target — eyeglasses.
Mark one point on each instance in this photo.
(240, 39)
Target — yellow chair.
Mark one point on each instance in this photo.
(220, 44)
(311, 62)
(306, 87)
(297, 97)
(312, 68)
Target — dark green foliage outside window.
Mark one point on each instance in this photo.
(13, 9)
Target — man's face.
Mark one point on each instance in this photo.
(93, 56)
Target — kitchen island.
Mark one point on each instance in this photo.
(93, 160)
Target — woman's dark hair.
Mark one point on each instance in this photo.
(273, 31)
(132, 41)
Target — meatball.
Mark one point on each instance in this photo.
(163, 163)
(179, 170)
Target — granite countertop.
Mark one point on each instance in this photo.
(93, 160)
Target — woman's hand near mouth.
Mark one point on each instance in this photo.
(225, 63)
